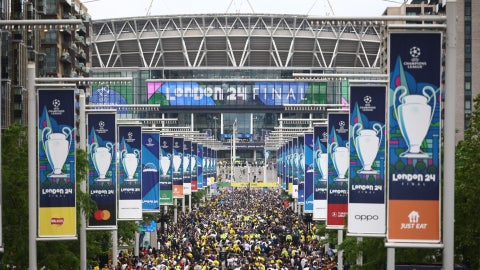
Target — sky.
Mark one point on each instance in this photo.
(107, 9)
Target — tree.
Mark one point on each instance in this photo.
(467, 190)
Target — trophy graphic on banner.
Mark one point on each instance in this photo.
(130, 163)
(367, 144)
(102, 159)
(322, 163)
(165, 163)
(186, 162)
(193, 163)
(177, 162)
(341, 160)
(414, 116)
(57, 146)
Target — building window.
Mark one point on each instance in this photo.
(51, 60)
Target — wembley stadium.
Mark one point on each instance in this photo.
(209, 71)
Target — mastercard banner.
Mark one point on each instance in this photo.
(338, 170)
(150, 172)
(57, 217)
(366, 194)
(130, 172)
(102, 176)
(414, 137)
(194, 166)
(320, 172)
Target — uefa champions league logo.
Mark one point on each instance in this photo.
(367, 100)
(164, 144)
(150, 142)
(415, 52)
(341, 127)
(130, 135)
(101, 125)
(56, 104)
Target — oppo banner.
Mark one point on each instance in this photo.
(320, 172)
(102, 174)
(366, 189)
(414, 137)
(150, 173)
(177, 168)
(338, 165)
(166, 171)
(194, 166)
(308, 208)
(130, 175)
(200, 163)
(187, 154)
(56, 164)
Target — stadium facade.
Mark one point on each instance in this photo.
(209, 71)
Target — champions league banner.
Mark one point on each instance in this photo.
(177, 168)
(150, 173)
(300, 165)
(130, 175)
(289, 166)
(366, 193)
(194, 166)
(308, 208)
(294, 168)
(320, 172)
(187, 181)
(205, 167)
(414, 137)
(102, 174)
(166, 170)
(338, 165)
(200, 166)
(56, 164)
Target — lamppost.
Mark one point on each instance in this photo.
(215, 118)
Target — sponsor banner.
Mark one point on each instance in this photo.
(187, 171)
(194, 166)
(56, 164)
(295, 159)
(414, 137)
(309, 146)
(177, 162)
(366, 218)
(166, 170)
(102, 173)
(367, 154)
(320, 172)
(130, 175)
(200, 166)
(197, 93)
(338, 165)
(150, 172)
(300, 165)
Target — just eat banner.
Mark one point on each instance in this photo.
(414, 137)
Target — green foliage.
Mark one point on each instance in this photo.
(467, 188)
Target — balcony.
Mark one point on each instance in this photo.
(66, 57)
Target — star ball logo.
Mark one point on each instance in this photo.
(342, 129)
(415, 63)
(368, 104)
(101, 128)
(56, 104)
(415, 52)
(56, 107)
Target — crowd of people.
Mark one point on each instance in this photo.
(236, 229)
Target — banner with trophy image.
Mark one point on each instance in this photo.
(177, 161)
(194, 166)
(150, 172)
(130, 175)
(187, 174)
(166, 170)
(320, 172)
(338, 168)
(294, 168)
(300, 166)
(414, 188)
(57, 217)
(200, 169)
(308, 208)
(289, 167)
(102, 174)
(366, 193)
(205, 167)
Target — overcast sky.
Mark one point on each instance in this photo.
(104, 9)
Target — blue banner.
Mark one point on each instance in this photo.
(150, 172)
(177, 167)
(300, 165)
(320, 172)
(130, 175)
(187, 174)
(166, 170)
(194, 166)
(56, 164)
(200, 162)
(102, 176)
(309, 146)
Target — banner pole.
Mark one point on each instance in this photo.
(83, 183)
(32, 168)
